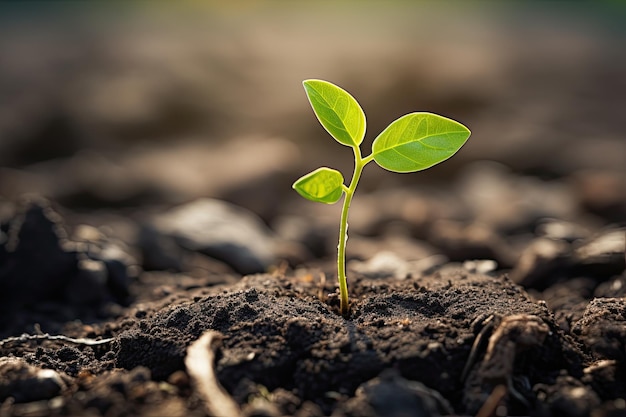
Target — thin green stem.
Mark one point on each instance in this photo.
(368, 159)
(359, 163)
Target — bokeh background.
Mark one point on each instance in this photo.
(148, 125)
(105, 105)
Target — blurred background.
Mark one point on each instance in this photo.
(139, 122)
(116, 106)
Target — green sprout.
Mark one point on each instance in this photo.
(413, 142)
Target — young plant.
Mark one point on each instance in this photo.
(413, 142)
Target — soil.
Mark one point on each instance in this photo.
(154, 260)
(445, 339)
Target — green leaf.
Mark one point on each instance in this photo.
(339, 113)
(418, 141)
(323, 185)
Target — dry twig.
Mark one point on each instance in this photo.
(200, 367)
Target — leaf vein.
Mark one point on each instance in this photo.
(406, 156)
(392, 146)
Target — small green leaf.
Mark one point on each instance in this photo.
(323, 185)
(337, 111)
(418, 141)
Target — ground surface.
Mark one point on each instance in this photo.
(428, 336)
(151, 245)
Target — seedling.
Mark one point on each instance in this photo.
(413, 142)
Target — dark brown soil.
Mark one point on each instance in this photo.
(441, 343)
(150, 240)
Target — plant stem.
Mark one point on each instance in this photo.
(359, 163)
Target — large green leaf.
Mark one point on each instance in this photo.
(337, 111)
(323, 185)
(418, 141)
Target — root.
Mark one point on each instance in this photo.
(29, 337)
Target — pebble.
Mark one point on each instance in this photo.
(539, 261)
(158, 251)
(383, 265)
(604, 254)
(220, 230)
(86, 286)
(613, 288)
(562, 230)
(94, 246)
(392, 395)
(27, 383)
(388, 264)
(481, 266)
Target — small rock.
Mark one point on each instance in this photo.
(613, 288)
(604, 254)
(91, 244)
(569, 397)
(387, 265)
(481, 266)
(383, 265)
(220, 230)
(26, 383)
(159, 252)
(119, 280)
(562, 230)
(392, 395)
(539, 261)
(86, 287)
